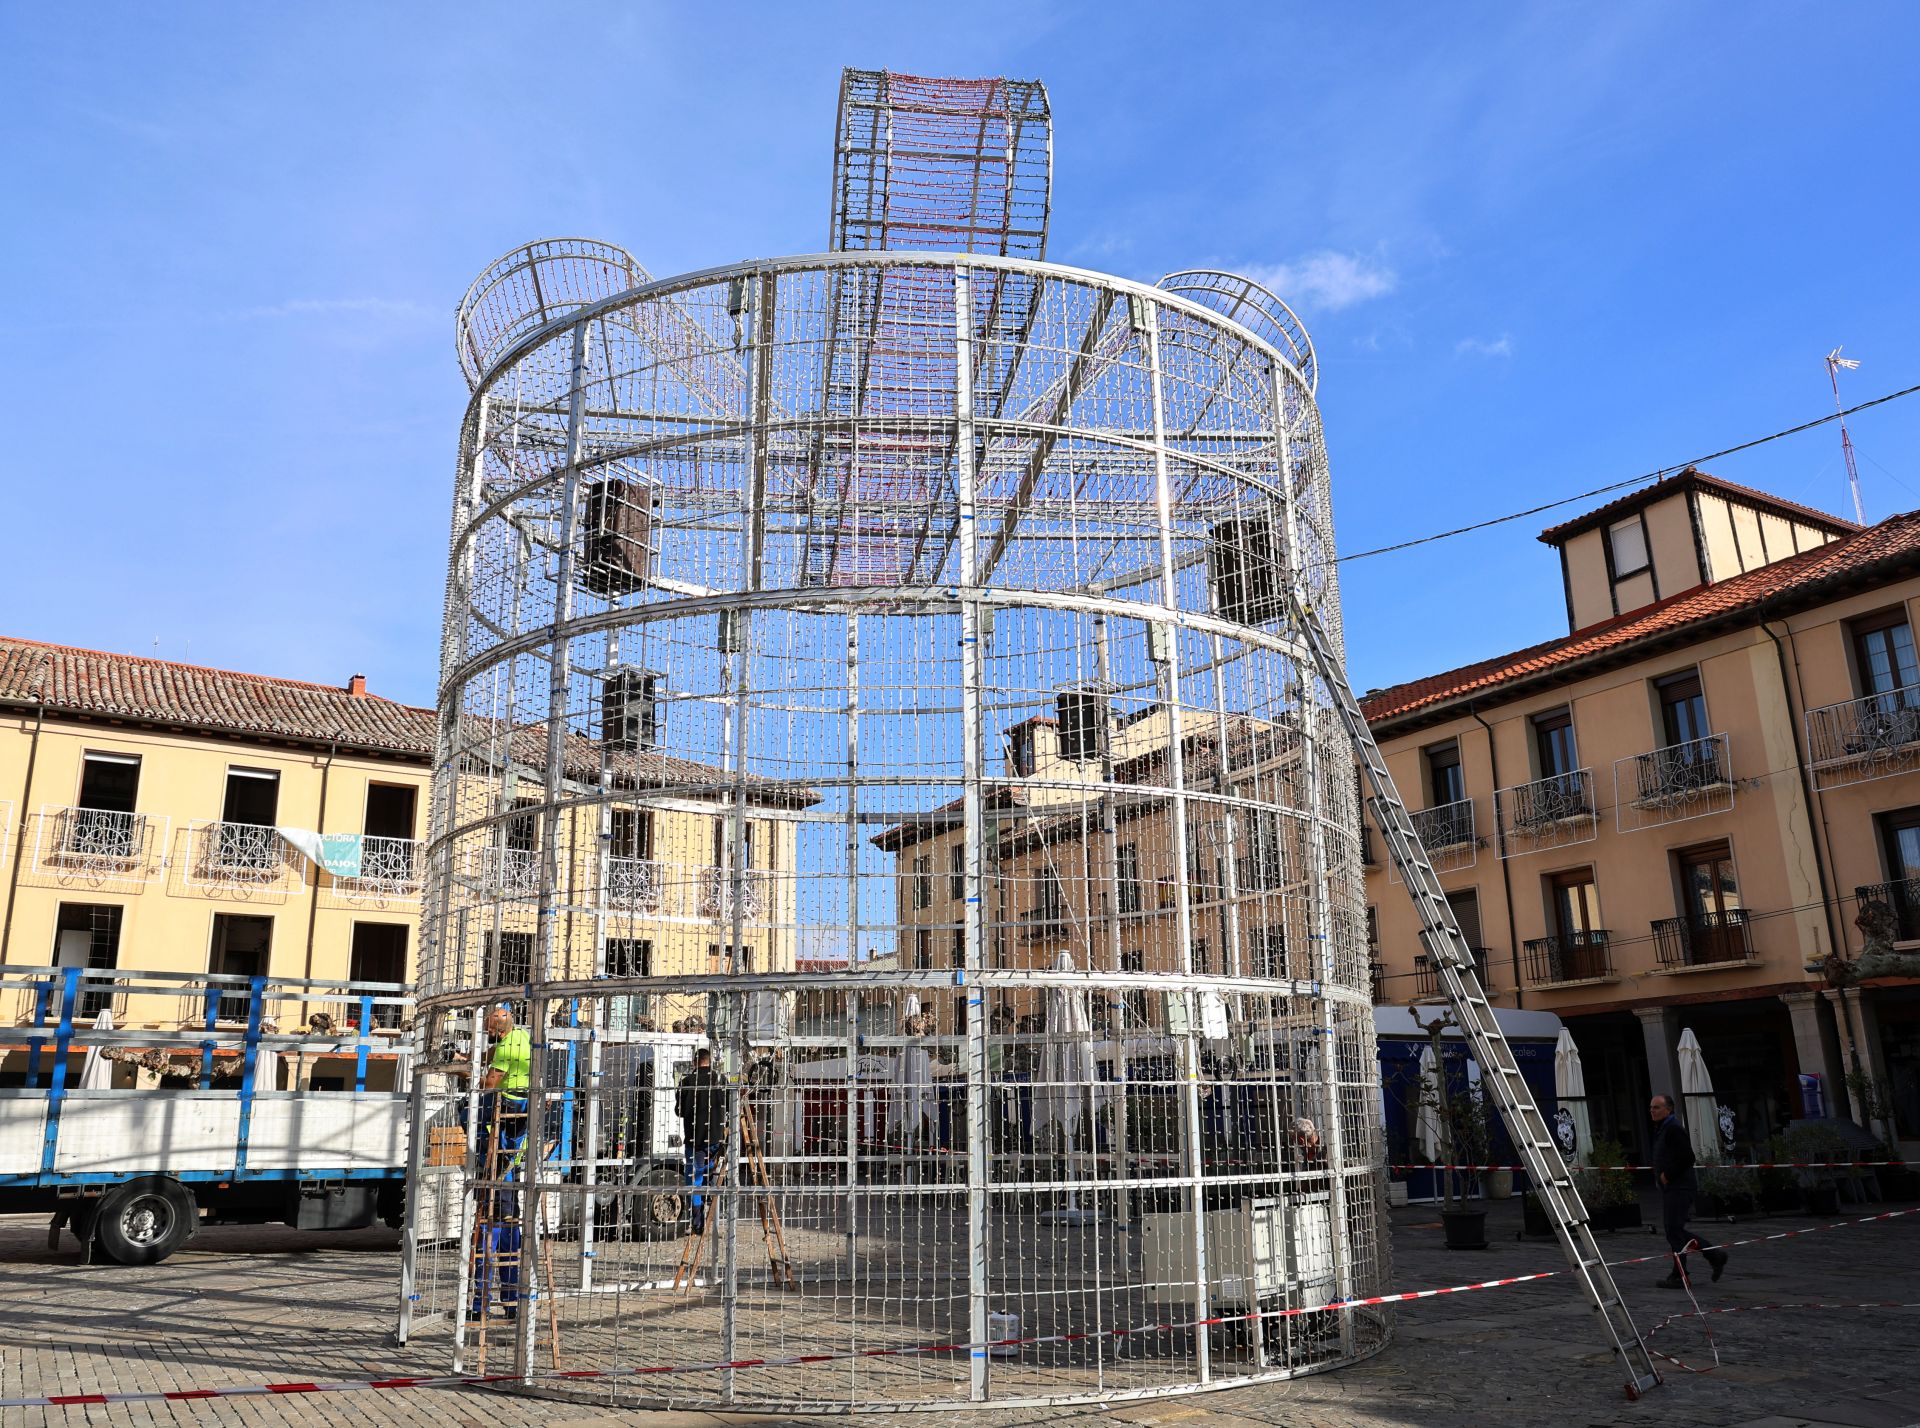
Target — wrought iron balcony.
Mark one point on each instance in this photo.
(717, 895)
(242, 852)
(1045, 923)
(1680, 781)
(96, 846)
(1863, 739)
(390, 870)
(1712, 939)
(1550, 812)
(1901, 901)
(1426, 976)
(1446, 826)
(635, 883)
(1567, 958)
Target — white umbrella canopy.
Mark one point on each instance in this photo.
(96, 1072)
(1570, 1090)
(1426, 1117)
(913, 1105)
(1696, 1093)
(1065, 1071)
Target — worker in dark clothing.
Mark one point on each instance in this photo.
(1673, 1173)
(702, 1103)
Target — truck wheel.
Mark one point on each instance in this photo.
(145, 1220)
(661, 1207)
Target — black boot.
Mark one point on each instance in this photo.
(1718, 1259)
(1672, 1281)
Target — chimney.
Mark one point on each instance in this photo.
(357, 686)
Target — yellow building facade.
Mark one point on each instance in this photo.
(172, 818)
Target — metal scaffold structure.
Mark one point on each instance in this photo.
(901, 672)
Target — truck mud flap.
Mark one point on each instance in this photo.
(334, 1207)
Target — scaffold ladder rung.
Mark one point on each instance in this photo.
(1452, 960)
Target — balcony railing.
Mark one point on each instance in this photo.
(96, 846)
(1426, 976)
(1708, 939)
(1863, 739)
(635, 883)
(1449, 834)
(1550, 812)
(1680, 781)
(389, 871)
(1045, 923)
(1901, 903)
(239, 857)
(717, 895)
(1567, 958)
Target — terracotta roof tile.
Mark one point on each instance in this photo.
(197, 697)
(1892, 543)
(1693, 478)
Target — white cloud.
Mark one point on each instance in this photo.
(1326, 280)
(1501, 346)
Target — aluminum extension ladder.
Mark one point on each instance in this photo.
(1450, 957)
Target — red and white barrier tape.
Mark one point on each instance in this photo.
(271, 1390)
(1701, 1314)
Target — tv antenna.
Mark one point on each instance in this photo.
(1834, 363)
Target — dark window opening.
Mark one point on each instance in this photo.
(242, 945)
(1446, 783)
(1553, 744)
(390, 810)
(1683, 708)
(380, 955)
(957, 871)
(253, 796)
(723, 840)
(629, 957)
(1127, 876)
(631, 833)
(509, 958)
(109, 782)
(1883, 652)
(1083, 718)
(88, 935)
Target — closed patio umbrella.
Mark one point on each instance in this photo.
(1570, 1089)
(1066, 1089)
(96, 1072)
(1426, 1116)
(1696, 1095)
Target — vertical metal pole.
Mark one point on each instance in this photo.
(597, 1015)
(851, 999)
(430, 971)
(972, 678)
(1169, 682)
(753, 544)
(559, 696)
(1229, 806)
(1319, 907)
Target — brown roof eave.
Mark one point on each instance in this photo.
(1766, 608)
(11, 707)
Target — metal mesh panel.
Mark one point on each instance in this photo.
(1056, 1035)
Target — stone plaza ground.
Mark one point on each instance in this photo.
(246, 1305)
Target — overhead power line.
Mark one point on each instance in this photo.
(1659, 475)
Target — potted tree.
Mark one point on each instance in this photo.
(1606, 1188)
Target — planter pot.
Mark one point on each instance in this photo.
(1616, 1217)
(1533, 1219)
(1466, 1229)
(1498, 1184)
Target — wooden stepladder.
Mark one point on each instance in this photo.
(497, 1249)
(754, 1172)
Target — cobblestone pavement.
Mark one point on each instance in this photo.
(252, 1305)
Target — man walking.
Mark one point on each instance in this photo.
(702, 1104)
(1673, 1173)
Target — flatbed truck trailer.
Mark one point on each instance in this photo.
(137, 1105)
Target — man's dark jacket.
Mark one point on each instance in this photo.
(702, 1103)
(1672, 1155)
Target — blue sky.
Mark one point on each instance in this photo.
(1539, 247)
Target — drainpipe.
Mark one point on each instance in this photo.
(1829, 895)
(1506, 873)
(20, 835)
(313, 903)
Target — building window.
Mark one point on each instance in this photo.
(88, 935)
(631, 833)
(390, 810)
(723, 837)
(958, 956)
(1627, 540)
(1883, 652)
(1260, 863)
(109, 782)
(1574, 904)
(509, 958)
(1134, 1001)
(922, 948)
(379, 954)
(242, 945)
(1683, 708)
(1202, 958)
(247, 814)
(923, 882)
(105, 825)
(629, 958)
(1126, 861)
(1553, 744)
(1900, 842)
(1445, 781)
(1050, 900)
(957, 871)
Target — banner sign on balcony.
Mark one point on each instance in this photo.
(339, 853)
